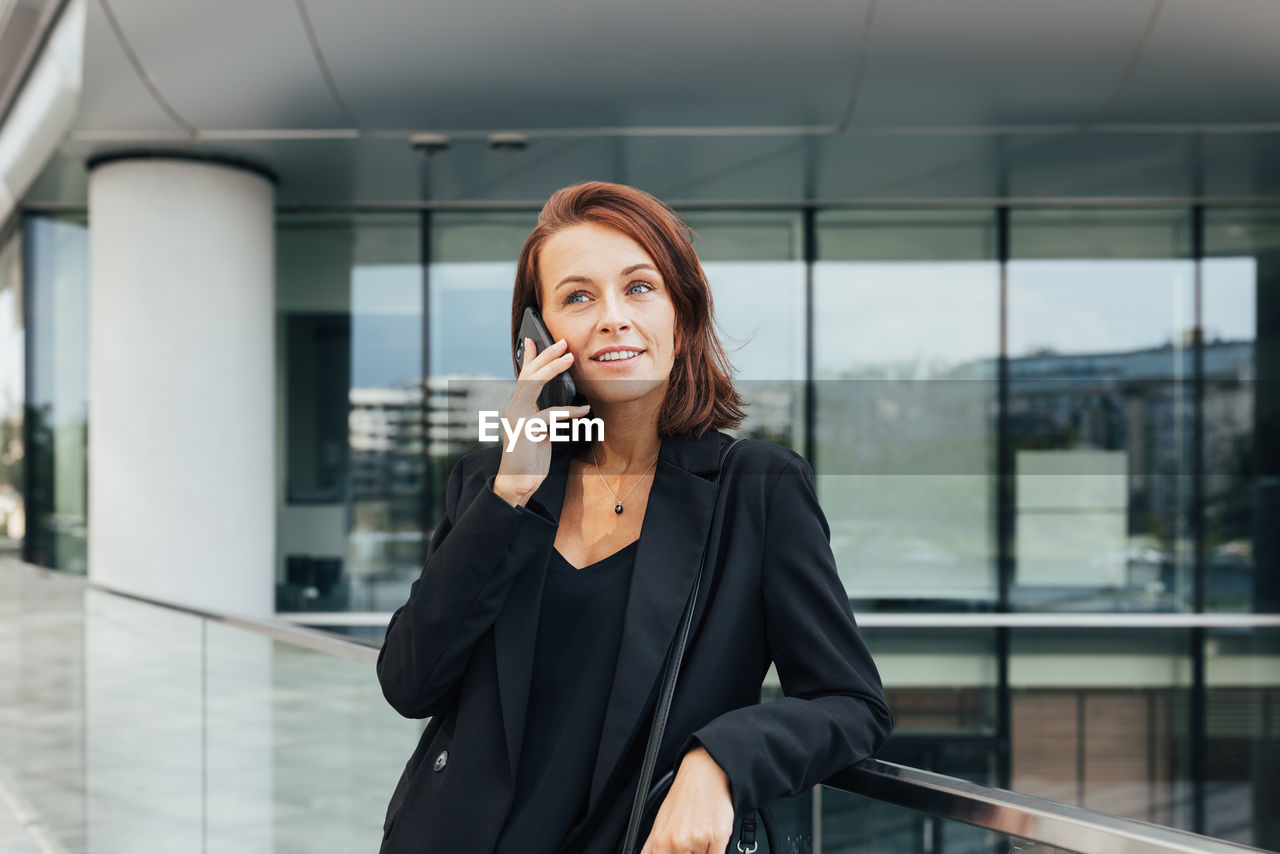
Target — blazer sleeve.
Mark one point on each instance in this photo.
(833, 713)
(471, 561)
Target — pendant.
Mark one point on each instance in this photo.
(617, 508)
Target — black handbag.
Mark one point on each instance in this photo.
(648, 800)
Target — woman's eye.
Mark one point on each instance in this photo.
(569, 300)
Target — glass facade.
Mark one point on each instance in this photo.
(56, 281)
(1241, 399)
(1048, 411)
(1100, 719)
(905, 334)
(13, 366)
(754, 262)
(469, 279)
(1242, 736)
(349, 334)
(1100, 309)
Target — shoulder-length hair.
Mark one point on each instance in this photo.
(700, 394)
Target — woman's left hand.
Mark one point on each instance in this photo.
(696, 816)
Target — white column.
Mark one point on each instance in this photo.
(182, 383)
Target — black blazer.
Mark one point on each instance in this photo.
(460, 649)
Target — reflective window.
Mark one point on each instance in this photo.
(755, 265)
(942, 685)
(1241, 364)
(1100, 303)
(56, 253)
(13, 365)
(472, 277)
(906, 331)
(1242, 739)
(1100, 719)
(350, 337)
(472, 274)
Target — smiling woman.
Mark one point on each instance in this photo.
(611, 268)
(536, 636)
(623, 317)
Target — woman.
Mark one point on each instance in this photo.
(553, 587)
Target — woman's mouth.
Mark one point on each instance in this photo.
(617, 358)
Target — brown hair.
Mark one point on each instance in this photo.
(700, 394)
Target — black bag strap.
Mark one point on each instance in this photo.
(675, 657)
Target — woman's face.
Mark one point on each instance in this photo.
(601, 290)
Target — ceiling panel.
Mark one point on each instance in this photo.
(114, 98)
(982, 65)
(995, 62)
(1207, 62)
(234, 64)
(566, 63)
(244, 64)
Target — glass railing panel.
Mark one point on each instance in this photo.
(143, 719)
(129, 726)
(126, 726)
(303, 751)
(240, 732)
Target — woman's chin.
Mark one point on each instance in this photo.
(612, 392)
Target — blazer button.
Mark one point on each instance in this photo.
(442, 760)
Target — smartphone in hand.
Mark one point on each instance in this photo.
(559, 390)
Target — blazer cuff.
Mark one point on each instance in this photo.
(740, 792)
(533, 508)
(490, 519)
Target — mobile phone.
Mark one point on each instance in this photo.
(559, 390)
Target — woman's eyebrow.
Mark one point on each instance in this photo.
(626, 272)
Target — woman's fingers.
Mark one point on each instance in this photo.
(548, 372)
(528, 459)
(541, 369)
(532, 365)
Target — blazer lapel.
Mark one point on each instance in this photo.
(676, 523)
(515, 630)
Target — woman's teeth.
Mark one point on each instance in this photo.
(617, 356)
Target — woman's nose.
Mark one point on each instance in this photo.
(613, 313)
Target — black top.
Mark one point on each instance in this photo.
(576, 652)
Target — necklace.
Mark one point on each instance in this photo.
(617, 508)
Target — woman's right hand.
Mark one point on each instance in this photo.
(527, 463)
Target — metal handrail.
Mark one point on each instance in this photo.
(1038, 820)
(331, 643)
(937, 619)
